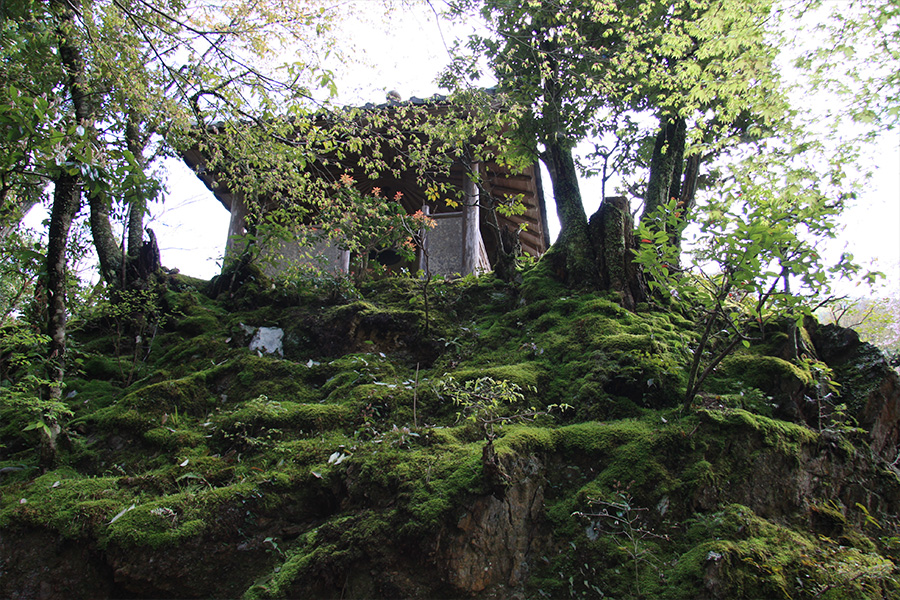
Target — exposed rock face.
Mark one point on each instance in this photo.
(869, 386)
(495, 539)
(779, 486)
(42, 565)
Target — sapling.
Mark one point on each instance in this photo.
(622, 519)
(482, 401)
(753, 241)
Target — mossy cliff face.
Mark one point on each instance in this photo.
(343, 470)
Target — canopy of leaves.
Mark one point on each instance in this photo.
(579, 66)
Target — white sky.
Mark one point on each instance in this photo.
(405, 52)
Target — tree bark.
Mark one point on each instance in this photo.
(598, 253)
(687, 197)
(137, 204)
(572, 257)
(668, 153)
(612, 232)
(108, 250)
(672, 177)
(66, 200)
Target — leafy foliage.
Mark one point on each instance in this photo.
(24, 399)
(364, 224)
(484, 401)
(755, 260)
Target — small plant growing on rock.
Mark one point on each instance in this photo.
(625, 521)
(483, 400)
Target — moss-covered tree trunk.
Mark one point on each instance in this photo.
(108, 250)
(665, 164)
(594, 254)
(572, 257)
(671, 176)
(612, 233)
(137, 201)
(66, 201)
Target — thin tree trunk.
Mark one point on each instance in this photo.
(66, 200)
(108, 249)
(137, 204)
(668, 151)
(687, 198)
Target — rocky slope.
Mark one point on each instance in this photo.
(336, 464)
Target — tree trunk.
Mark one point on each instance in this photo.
(572, 257)
(612, 232)
(687, 197)
(108, 249)
(66, 200)
(596, 254)
(672, 177)
(665, 167)
(137, 201)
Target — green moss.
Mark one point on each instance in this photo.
(607, 308)
(525, 375)
(262, 412)
(182, 355)
(599, 437)
(120, 419)
(770, 374)
(145, 527)
(627, 342)
(187, 395)
(173, 439)
(304, 552)
(524, 438)
(93, 394)
(66, 501)
(248, 449)
(786, 437)
(104, 367)
(755, 558)
(200, 324)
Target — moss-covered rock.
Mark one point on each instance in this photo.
(339, 470)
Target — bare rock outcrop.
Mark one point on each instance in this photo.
(869, 386)
(497, 536)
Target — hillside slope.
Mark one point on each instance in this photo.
(343, 464)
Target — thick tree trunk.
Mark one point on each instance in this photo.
(572, 257)
(612, 232)
(596, 254)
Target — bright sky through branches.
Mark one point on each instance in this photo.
(405, 51)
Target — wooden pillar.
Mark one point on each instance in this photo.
(471, 225)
